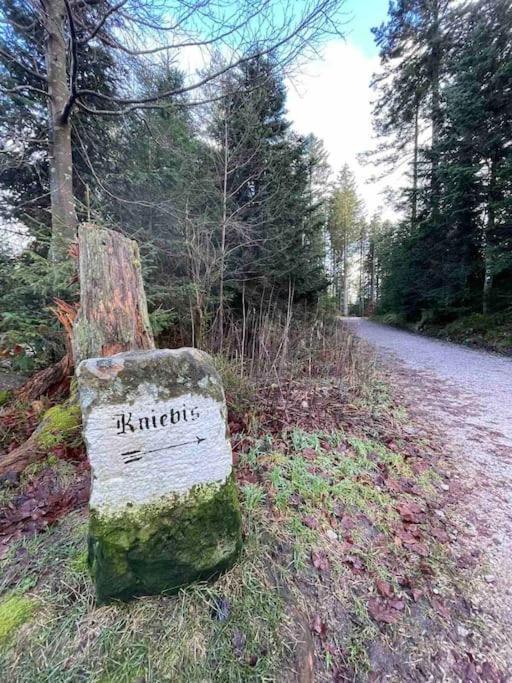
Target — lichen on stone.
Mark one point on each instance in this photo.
(15, 610)
(187, 367)
(160, 547)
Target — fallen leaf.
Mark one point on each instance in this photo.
(397, 604)
(384, 588)
(310, 522)
(416, 594)
(318, 626)
(420, 549)
(410, 511)
(406, 536)
(309, 454)
(320, 561)
(440, 607)
(440, 535)
(382, 613)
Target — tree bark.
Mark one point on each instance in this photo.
(113, 317)
(414, 212)
(223, 236)
(488, 240)
(345, 277)
(64, 220)
(436, 112)
(113, 314)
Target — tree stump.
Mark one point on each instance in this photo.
(113, 315)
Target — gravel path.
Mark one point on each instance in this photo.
(467, 396)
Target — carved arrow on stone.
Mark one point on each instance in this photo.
(138, 453)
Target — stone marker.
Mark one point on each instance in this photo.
(164, 508)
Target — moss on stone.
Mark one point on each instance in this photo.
(160, 547)
(61, 424)
(5, 396)
(172, 373)
(15, 610)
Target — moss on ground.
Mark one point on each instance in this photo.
(15, 610)
(5, 396)
(60, 424)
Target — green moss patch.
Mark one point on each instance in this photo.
(5, 395)
(61, 424)
(159, 548)
(15, 610)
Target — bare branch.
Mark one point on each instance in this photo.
(101, 23)
(192, 43)
(21, 88)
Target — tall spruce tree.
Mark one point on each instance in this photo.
(454, 256)
(276, 220)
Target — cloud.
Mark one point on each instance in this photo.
(331, 98)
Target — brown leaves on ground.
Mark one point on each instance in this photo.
(43, 496)
(17, 422)
(385, 611)
(44, 500)
(403, 552)
(320, 561)
(384, 588)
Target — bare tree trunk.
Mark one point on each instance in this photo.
(361, 269)
(488, 238)
(373, 289)
(223, 237)
(436, 108)
(113, 315)
(64, 220)
(345, 278)
(414, 211)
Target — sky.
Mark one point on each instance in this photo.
(331, 98)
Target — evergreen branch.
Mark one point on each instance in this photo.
(22, 66)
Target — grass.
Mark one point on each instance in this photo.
(182, 638)
(318, 532)
(187, 637)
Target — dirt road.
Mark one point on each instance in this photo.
(467, 395)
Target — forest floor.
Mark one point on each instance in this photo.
(362, 558)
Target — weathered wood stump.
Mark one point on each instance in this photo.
(113, 315)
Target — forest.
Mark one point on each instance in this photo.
(231, 207)
(159, 199)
